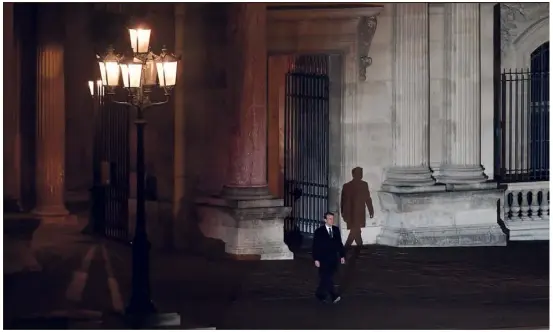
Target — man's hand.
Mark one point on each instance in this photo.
(317, 264)
(371, 214)
(342, 260)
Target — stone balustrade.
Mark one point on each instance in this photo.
(525, 210)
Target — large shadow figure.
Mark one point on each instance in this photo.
(355, 196)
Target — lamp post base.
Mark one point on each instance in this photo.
(140, 307)
(142, 313)
(153, 320)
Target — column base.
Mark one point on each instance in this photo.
(247, 229)
(417, 176)
(460, 174)
(246, 193)
(50, 211)
(458, 218)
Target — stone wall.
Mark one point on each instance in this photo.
(372, 121)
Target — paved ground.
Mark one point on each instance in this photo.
(383, 288)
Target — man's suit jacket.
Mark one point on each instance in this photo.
(327, 250)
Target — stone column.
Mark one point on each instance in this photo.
(245, 217)
(462, 95)
(50, 121)
(411, 94)
(247, 175)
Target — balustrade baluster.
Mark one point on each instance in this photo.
(515, 206)
(524, 205)
(535, 206)
(544, 204)
(507, 206)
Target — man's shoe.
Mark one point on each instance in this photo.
(321, 298)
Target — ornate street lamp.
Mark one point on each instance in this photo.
(137, 73)
(96, 89)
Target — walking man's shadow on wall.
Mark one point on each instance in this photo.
(355, 200)
(355, 197)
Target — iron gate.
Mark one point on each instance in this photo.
(522, 125)
(306, 156)
(111, 159)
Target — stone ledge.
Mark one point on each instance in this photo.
(441, 218)
(528, 230)
(412, 190)
(421, 201)
(226, 202)
(467, 236)
(472, 186)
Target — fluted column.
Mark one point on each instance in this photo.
(462, 95)
(50, 121)
(411, 93)
(248, 87)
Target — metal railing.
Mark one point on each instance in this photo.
(522, 127)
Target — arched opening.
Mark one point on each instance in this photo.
(539, 108)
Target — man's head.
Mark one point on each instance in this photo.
(357, 173)
(329, 218)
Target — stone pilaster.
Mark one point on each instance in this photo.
(462, 95)
(50, 121)
(410, 119)
(248, 70)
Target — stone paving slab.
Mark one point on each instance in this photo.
(430, 288)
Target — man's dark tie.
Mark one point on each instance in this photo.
(330, 232)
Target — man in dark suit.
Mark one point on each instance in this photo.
(328, 250)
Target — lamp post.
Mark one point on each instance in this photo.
(96, 92)
(138, 76)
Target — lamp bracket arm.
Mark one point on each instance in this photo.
(157, 103)
(122, 103)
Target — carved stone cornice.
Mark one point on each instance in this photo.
(311, 12)
(513, 14)
(365, 34)
(366, 26)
